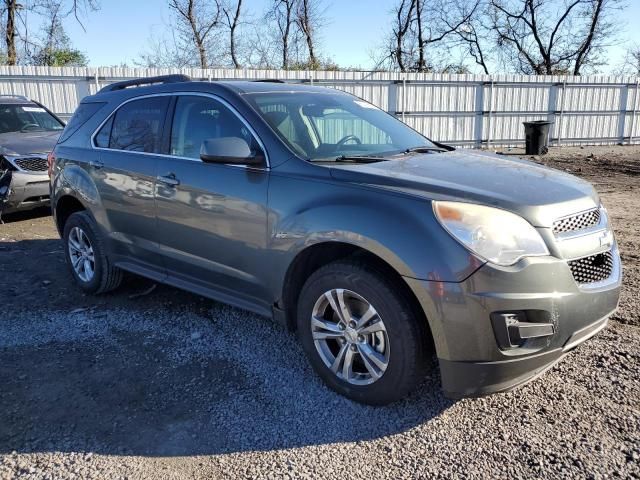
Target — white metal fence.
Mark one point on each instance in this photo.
(464, 110)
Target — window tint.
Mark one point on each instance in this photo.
(83, 113)
(137, 125)
(200, 118)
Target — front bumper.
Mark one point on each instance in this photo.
(28, 190)
(471, 361)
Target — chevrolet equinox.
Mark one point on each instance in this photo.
(316, 208)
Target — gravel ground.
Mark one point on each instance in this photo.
(170, 385)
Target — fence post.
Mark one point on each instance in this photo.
(404, 94)
(392, 98)
(489, 112)
(564, 94)
(552, 107)
(633, 114)
(479, 115)
(97, 79)
(622, 116)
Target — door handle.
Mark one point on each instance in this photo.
(96, 164)
(169, 180)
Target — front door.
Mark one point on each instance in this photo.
(212, 218)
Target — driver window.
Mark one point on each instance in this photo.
(199, 118)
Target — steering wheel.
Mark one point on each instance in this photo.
(29, 126)
(348, 138)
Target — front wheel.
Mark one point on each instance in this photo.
(360, 334)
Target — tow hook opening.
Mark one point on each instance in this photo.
(525, 330)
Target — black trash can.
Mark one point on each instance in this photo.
(536, 135)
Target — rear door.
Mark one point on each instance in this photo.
(212, 218)
(125, 174)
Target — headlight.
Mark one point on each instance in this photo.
(496, 235)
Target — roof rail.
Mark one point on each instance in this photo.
(19, 97)
(145, 81)
(270, 80)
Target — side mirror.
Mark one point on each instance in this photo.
(233, 150)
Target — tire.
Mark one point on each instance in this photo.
(105, 276)
(404, 346)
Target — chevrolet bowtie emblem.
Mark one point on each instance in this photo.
(606, 239)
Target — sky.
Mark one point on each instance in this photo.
(121, 29)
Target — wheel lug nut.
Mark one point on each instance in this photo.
(352, 324)
(354, 348)
(341, 326)
(360, 338)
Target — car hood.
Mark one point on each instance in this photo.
(539, 194)
(19, 143)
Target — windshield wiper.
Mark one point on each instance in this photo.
(357, 159)
(424, 149)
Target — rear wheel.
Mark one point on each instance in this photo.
(85, 254)
(360, 333)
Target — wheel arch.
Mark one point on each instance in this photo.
(315, 256)
(65, 206)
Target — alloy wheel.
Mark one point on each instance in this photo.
(81, 254)
(350, 337)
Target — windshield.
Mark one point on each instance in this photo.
(326, 126)
(27, 118)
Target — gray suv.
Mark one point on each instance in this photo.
(314, 207)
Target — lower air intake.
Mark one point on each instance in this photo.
(593, 268)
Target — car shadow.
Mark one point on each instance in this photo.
(170, 374)
(25, 215)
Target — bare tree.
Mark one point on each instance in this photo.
(52, 13)
(474, 45)
(10, 31)
(165, 51)
(198, 18)
(549, 37)
(308, 19)
(232, 16)
(403, 17)
(298, 23)
(283, 14)
(82, 7)
(630, 64)
(419, 26)
(472, 36)
(53, 46)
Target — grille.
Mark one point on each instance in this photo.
(593, 268)
(32, 164)
(577, 222)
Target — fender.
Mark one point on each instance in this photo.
(401, 230)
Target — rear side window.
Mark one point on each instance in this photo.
(103, 136)
(83, 113)
(137, 125)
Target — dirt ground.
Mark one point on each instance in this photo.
(153, 382)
